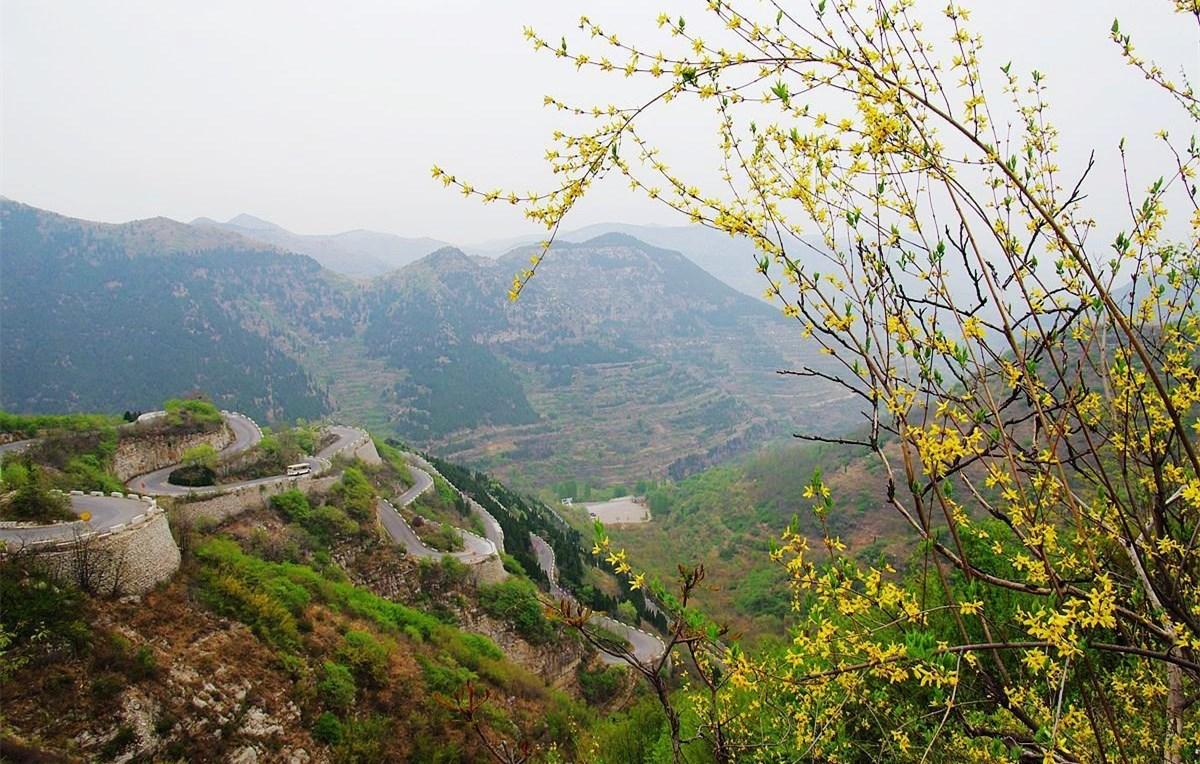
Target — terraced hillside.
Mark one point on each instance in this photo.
(618, 360)
(621, 361)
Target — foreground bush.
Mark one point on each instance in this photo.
(516, 601)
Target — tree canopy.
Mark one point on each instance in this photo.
(1030, 389)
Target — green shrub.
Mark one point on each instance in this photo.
(445, 493)
(293, 505)
(513, 565)
(444, 675)
(394, 459)
(330, 523)
(191, 411)
(255, 591)
(337, 688)
(439, 536)
(15, 474)
(35, 502)
(293, 665)
(39, 613)
(202, 455)
(328, 729)
(601, 685)
(234, 584)
(355, 495)
(192, 475)
(123, 739)
(413, 633)
(363, 741)
(516, 601)
(29, 425)
(439, 575)
(107, 686)
(479, 645)
(165, 723)
(89, 472)
(366, 656)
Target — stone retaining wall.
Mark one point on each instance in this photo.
(488, 571)
(365, 450)
(140, 453)
(217, 509)
(129, 559)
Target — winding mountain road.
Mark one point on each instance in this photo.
(475, 548)
(107, 513)
(646, 647)
(491, 527)
(113, 512)
(246, 435)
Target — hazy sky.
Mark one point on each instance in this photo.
(327, 116)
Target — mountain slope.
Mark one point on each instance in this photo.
(619, 359)
(358, 253)
(115, 317)
(729, 259)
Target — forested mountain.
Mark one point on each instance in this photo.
(728, 259)
(621, 360)
(115, 317)
(363, 254)
(358, 253)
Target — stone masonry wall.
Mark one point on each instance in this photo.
(367, 453)
(130, 560)
(142, 453)
(218, 509)
(488, 571)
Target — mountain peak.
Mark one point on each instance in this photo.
(255, 224)
(449, 259)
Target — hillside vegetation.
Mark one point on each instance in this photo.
(624, 362)
(296, 632)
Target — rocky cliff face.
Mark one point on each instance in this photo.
(399, 578)
(140, 453)
(555, 664)
(207, 690)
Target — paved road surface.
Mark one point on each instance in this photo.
(17, 446)
(246, 436)
(475, 548)
(491, 526)
(107, 512)
(646, 647)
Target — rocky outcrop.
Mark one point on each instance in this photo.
(556, 663)
(141, 452)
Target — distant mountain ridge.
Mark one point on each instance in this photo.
(112, 317)
(358, 254)
(363, 254)
(730, 259)
(612, 335)
(620, 360)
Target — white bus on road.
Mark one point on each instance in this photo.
(296, 470)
